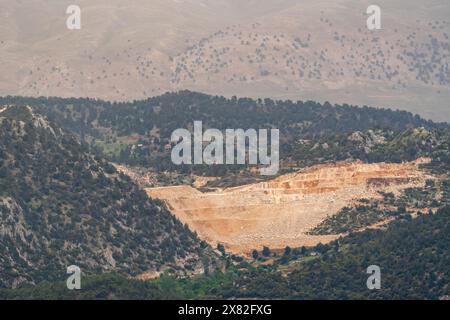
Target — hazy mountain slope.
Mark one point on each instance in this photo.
(281, 49)
(61, 206)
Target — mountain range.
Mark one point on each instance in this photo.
(66, 198)
(284, 49)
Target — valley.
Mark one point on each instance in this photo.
(91, 182)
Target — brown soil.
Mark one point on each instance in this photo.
(278, 213)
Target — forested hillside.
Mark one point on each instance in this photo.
(139, 132)
(59, 206)
(413, 257)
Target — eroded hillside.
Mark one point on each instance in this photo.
(281, 212)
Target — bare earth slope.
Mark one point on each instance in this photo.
(287, 49)
(279, 213)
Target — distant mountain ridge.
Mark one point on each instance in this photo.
(138, 132)
(283, 49)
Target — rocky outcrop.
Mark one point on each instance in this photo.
(279, 212)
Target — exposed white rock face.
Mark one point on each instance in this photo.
(281, 212)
